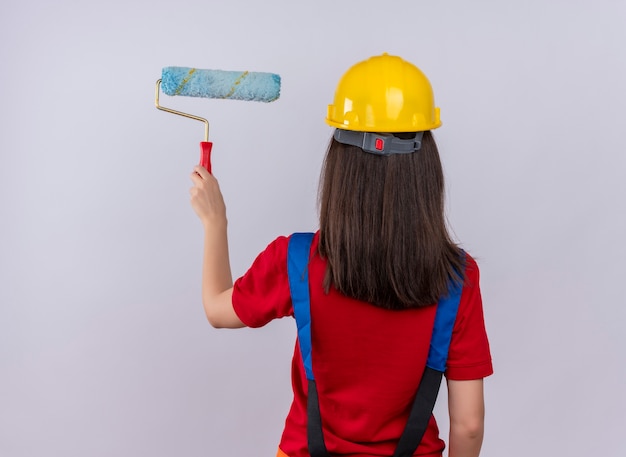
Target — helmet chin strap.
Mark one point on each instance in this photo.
(379, 143)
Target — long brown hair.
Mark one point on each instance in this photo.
(382, 226)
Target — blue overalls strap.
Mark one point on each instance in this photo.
(428, 390)
(297, 262)
(298, 252)
(442, 330)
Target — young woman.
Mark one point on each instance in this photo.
(378, 266)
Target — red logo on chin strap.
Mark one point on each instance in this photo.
(379, 144)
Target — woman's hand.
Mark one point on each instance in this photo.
(206, 198)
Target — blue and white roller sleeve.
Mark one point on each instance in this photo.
(232, 85)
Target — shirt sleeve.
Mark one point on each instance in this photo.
(469, 356)
(262, 294)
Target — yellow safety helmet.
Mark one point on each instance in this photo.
(384, 94)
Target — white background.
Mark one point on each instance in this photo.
(104, 348)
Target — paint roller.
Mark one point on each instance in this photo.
(232, 85)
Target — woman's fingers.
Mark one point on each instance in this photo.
(202, 172)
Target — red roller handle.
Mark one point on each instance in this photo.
(205, 154)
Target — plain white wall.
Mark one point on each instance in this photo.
(104, 349)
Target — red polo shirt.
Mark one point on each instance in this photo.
(367, 361)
